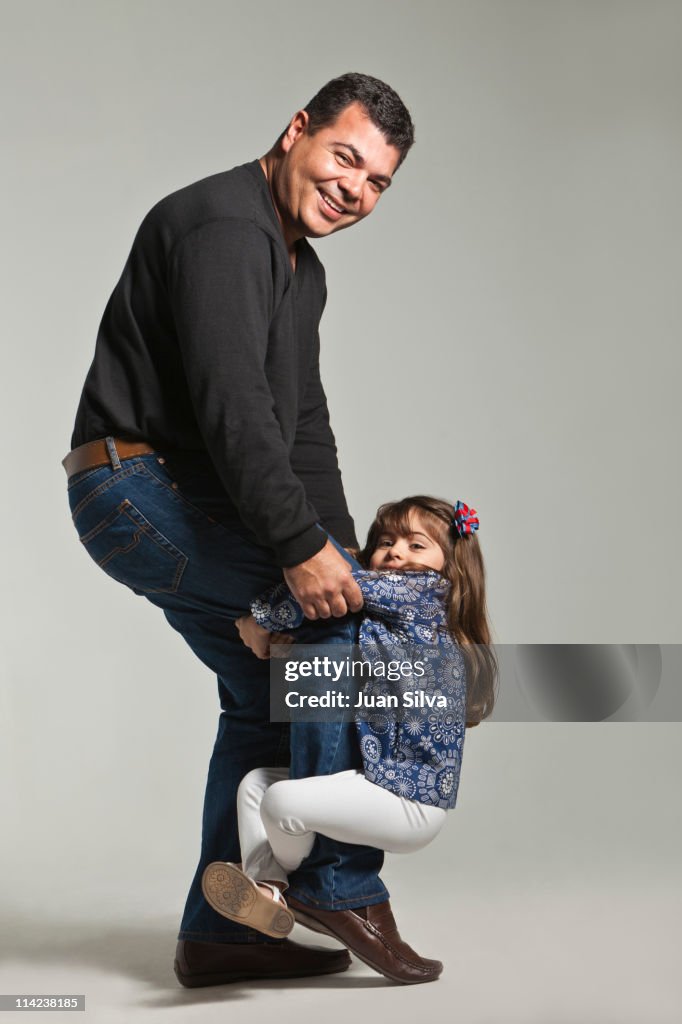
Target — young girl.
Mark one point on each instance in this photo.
(424, 583)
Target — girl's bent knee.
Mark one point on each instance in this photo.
(276, 802)
(252, 786)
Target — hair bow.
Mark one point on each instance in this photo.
(465, 519)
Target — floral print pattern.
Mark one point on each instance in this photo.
(418, 756)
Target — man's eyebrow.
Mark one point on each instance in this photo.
(359, 159)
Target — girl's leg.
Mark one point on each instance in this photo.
(250, 894)
(258, 861)
(345, 807)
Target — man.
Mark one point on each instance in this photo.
(203, 467)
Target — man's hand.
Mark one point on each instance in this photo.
(258, 639)
(324, 585)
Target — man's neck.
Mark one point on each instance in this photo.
(269, 166)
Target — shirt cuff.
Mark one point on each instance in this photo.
(301, 548)
(343, 530)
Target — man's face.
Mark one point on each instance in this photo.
(332, 179)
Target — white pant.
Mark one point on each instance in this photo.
(278, 818)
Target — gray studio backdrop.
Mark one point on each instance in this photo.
(504, 329)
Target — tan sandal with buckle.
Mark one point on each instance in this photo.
(236, 896)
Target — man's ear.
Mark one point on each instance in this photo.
(297, 127)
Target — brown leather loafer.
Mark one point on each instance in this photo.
(372, 935)
(217, 963)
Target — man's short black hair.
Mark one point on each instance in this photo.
(385, 108)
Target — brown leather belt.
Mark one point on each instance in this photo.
(103, 452)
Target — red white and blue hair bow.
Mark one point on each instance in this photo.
(465, 519)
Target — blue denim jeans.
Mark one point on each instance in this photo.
(162, 525)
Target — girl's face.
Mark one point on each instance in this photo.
(393, 551)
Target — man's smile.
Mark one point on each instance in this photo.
(334, 207)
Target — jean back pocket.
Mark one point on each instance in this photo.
(132, 551)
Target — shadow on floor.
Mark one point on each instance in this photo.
(142, 952)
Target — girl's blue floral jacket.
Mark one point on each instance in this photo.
(417, 756)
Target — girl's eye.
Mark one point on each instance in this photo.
(416, 544)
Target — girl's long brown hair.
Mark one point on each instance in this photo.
(467, 613)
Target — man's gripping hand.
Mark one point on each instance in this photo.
(324, 585)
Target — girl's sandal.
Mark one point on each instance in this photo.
(236, 896)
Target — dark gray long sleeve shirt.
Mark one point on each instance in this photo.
(210, 342)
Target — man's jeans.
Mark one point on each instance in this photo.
(162, 525)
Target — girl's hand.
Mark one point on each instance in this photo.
(254, 636)
(258, 639)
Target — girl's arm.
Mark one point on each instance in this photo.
(400, 597)
(403, 597)
(277, 610)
